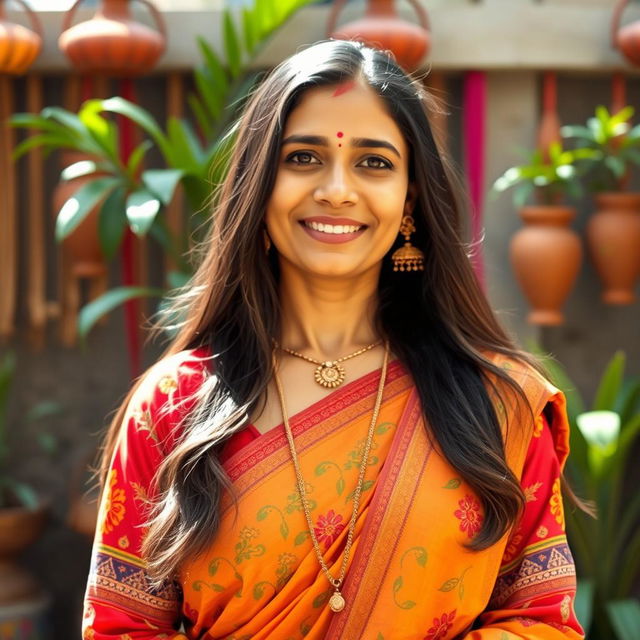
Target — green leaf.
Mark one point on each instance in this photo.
(231, 44)
(46, 141)
(214, 66)
(610, 383)
(249, 30)
(25, 494)
(209, 94)
(78, 206)
(78, 169)
(162, 182)
(187, 153)
(453, 483)
(397, 584)
(142, 208)
(206, 128)
(92, 312)
(112, 222)
(625, 618)
(69, 120)
(137, 156)
(141, 117)
(99, 128)
(178, 279)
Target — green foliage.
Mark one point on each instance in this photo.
(197, 161)
(614, 144)
(606, 549)
(548, 179)
(12, 490)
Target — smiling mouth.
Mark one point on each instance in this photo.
(332, 228)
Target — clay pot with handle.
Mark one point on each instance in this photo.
(112, 42)
(613, 236)
(82, 245)
(627, 38)
(383, 29)
(19, 46)
(19, 528)
(546, 256)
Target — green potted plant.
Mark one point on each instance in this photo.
(546, 253)
(613, 231)
(606, 548)
(121, 194)
(22, 512)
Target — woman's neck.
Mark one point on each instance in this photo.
(328, 317)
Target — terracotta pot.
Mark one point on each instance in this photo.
(613, 235)
(82, 245)
(627, 38)
(19, 46)
(546, 256)
(112, 42)
(19, 527)
(383, 29)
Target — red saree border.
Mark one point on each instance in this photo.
(389, 509)
(270, 451)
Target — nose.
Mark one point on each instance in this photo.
(335, 188)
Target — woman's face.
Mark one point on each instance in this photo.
(342, 184)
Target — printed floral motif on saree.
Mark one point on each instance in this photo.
(409, 576)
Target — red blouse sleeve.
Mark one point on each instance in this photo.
(119, 600)
(535, 590)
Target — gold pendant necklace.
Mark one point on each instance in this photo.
(330, 374)
(337, 601)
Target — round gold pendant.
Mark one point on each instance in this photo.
(336, 602)
(329, 374)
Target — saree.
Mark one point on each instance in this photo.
(409, 575)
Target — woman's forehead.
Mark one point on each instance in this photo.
(351, 107)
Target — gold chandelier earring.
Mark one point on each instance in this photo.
(408, 257)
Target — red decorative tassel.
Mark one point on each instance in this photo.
(131, 309)
(474, 104)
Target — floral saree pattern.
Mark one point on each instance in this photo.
(409, 575)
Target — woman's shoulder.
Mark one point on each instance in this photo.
(168, 390)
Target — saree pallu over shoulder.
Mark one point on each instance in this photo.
(416, 579)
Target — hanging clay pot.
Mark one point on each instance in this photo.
(546, 256)
(19, 527)
(112, 42)
(627, 38)
(613, 235)
(383, 29)
(82, 245)
(19, 46)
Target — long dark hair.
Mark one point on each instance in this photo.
(438, 321)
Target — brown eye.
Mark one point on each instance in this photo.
(376, 162)
(301, 157)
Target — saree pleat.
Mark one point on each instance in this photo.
(409, 575)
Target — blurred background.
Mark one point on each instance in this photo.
(112, 115)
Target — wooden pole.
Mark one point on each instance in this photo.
(36, 231)
(8, 214)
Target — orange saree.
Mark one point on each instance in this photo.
(409, 577)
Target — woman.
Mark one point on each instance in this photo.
(341, 442)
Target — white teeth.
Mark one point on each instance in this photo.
(330, 228)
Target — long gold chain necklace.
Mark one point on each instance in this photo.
(336, 602)
(330, 374)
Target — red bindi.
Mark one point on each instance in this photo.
(339, 134)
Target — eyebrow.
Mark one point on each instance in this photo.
(359, 143)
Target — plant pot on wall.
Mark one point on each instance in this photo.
(613, 236)
(112, 42)
(82, 246)
(546, 256)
